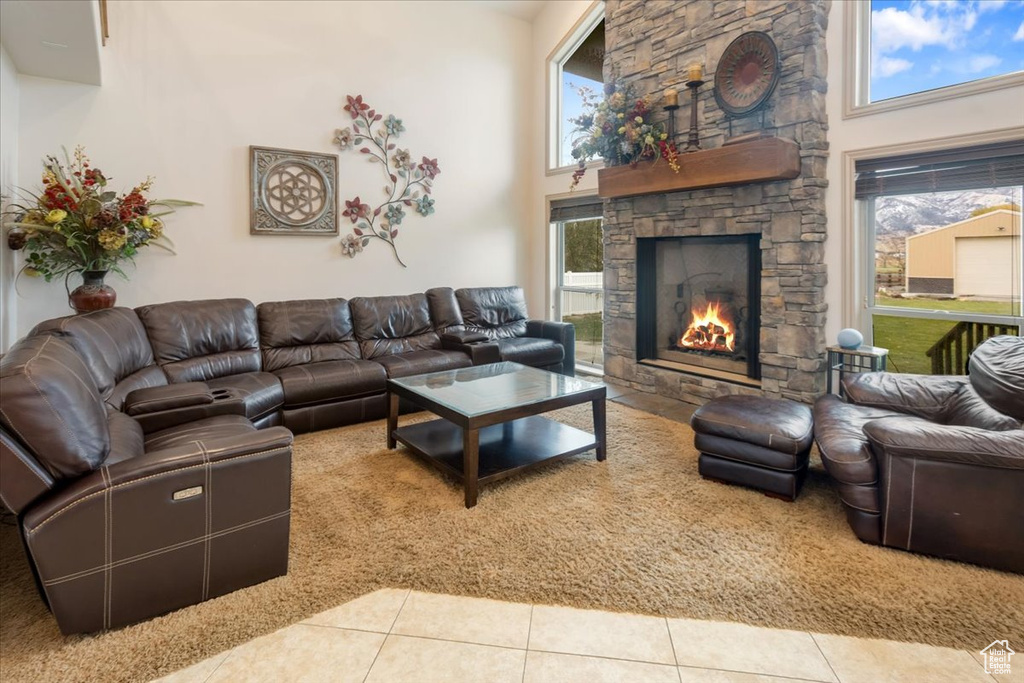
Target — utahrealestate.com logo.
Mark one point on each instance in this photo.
(997, 657)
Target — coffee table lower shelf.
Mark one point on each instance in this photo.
(505, 449)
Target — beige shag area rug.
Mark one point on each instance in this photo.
(641, 532)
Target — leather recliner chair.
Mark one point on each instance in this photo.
(124, 519)
(934, 464)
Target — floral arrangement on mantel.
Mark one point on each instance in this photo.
(76, 225)
(405, 178)
(618, 129)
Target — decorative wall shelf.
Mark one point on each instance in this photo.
(745, 162)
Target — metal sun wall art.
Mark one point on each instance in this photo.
(747, 73)
(293, 193)
(406, 179)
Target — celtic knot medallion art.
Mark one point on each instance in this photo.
(293, 193)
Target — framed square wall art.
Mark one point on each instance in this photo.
(293, 192)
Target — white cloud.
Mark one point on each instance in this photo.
(955, 5)
(991, 5)
(883, 67)
(925, 23)
(979, 63)
(1019, 35)
(970, 18)
(893, 29)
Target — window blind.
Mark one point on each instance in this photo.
(576, 209)
(968, 168)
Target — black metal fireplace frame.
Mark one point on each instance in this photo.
(646, 294)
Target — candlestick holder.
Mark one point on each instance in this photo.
(693, 139)
(671, 109)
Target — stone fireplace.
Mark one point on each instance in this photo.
(753, 254)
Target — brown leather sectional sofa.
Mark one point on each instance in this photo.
(934, 464)
(147, 452)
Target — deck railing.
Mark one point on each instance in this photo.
(949, 355)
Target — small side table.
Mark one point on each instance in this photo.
(861, 359)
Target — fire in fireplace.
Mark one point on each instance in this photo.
(698, 304)
(710, 330)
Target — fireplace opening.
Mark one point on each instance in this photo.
(698, 304)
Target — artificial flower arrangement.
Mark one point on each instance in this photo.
(618, 129)
(77, 225)
(405, 178)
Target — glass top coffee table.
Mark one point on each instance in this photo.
(491, 424)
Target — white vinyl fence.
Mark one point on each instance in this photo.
(578, 303)
(594, 280)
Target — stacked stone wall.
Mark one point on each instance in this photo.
(651, 44)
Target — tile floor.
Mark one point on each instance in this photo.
(399, 635)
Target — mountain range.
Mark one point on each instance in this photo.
(904, 215)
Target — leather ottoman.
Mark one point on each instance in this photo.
(753, 441)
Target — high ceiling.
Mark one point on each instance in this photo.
(52, 39)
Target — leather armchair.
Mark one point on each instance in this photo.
(119, 524)
(934, 464)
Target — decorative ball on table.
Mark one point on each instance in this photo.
(850, 338)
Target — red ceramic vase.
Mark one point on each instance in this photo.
(93, 294)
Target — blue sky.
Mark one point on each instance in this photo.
(925, 44)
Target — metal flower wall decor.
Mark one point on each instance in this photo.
(408, 183)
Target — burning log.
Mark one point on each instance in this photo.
(709, 330)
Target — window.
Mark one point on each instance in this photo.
(914, 51)
(576, 65)
(945, 231)
(579, 286)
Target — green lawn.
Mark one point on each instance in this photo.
(906, 338)
(909, 338)
(589, 332)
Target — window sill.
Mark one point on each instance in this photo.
(951, 92)
(568, 170)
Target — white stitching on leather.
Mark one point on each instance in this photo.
(209, 512)
(151, 476)
(166, 549)
(913, 484)
(108, 556)
(28, 375)
(117, 346)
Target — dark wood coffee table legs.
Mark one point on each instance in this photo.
(471, 464)
(392, 419)
(480, 451)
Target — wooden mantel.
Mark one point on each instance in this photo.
(745, 162)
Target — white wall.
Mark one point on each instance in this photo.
(9, 96)
(188, 86)
(549, 28)
(962, 116)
